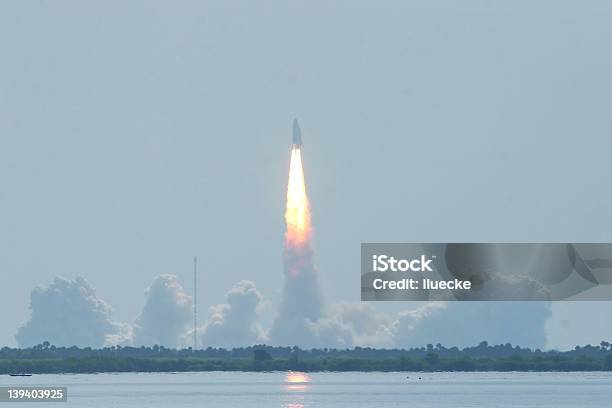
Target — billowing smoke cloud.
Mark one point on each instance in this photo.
(234, 323)
(343, 325)
(449, 323)
(468, 323)
(367, 326)
(166, 314)
(69, 313)
(307, 333)
(302, 304)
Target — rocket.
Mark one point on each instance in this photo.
(297, 135)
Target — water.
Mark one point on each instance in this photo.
(295, 390)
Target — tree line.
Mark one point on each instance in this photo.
(46, 358)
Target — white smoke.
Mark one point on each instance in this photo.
(166, 314)
(302, 295)
(234, 323)
(368, 327)
(468, 323)
(449, 323)
(302, 304)
(69, 313)
(302, 319)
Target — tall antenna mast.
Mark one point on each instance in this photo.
(195, 302)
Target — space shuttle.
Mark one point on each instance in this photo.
(297, 135)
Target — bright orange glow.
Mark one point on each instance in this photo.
(297, 212)
(294, 377)
(297, 381)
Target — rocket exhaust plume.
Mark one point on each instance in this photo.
(300, 273)
(297, 210)
(301, 298)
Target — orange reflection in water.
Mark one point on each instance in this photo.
(296, 381)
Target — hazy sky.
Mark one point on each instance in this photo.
(134, 135)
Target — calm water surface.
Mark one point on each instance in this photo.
(297, 390)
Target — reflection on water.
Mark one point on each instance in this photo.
(296, 384)
(328, 390)
(295, 377)
(296, 381)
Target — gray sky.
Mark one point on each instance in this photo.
(134, 135)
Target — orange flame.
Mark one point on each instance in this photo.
(297, 212)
